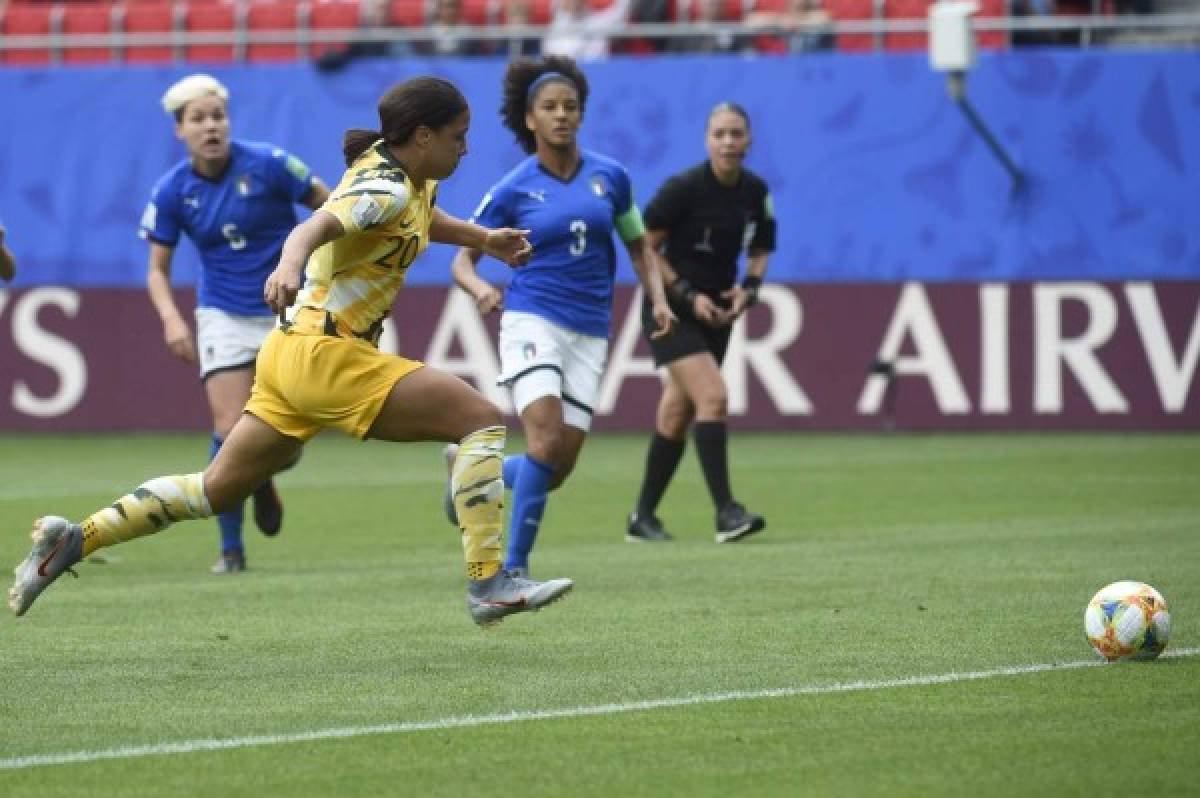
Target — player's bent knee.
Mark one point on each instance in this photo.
(479, 414)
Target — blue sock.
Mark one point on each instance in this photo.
(512, 467)
(230, 522)
(528, 504)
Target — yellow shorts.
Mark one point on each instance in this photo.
(304, 383)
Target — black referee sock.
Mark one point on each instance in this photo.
(712, 449)
(661, 461)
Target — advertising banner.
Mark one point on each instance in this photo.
(915, 356)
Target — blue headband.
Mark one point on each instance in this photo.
(545, 78)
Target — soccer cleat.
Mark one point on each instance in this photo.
(451, 454)
(501, 594)
(519, 571)
(230, 562)
(735, 522)
(57, 545)
(645, 528)
(268, 510)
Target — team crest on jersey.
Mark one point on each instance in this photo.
(598, 187)
(243, 185)
(529, 350)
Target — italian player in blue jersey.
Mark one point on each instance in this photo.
(236, 201)
(554, 331)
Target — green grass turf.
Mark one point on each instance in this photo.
(886, 558)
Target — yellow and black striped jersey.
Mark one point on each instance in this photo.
(386, 218)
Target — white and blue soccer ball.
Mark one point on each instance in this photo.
(1127, 620)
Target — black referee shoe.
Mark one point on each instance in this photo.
(735, 522)
(645, 529)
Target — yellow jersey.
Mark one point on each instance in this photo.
(355, 278)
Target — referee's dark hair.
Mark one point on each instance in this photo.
(520, 76)
(733, 108)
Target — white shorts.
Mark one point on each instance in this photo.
(226, 342)
(539, 358)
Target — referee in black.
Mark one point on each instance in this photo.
(700, 220)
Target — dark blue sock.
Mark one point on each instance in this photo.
(528, 504)
(230, 521)
(512, 467)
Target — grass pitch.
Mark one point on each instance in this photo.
(344, 663)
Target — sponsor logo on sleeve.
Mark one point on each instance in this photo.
(366, 211)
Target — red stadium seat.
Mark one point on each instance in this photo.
(852, 9)
(87, 18)
(275, 16)
(992, 39)
(155, 16)
(26, 20)
(210, 17)
(477, 12)
(408, 13)
(337, 15)
(909, 10)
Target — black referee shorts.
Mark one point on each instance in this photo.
(688, 338)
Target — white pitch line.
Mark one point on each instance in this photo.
(516, 716)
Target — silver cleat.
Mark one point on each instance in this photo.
(57, 545)
(502, 594)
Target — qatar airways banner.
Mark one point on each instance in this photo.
(1042, 355)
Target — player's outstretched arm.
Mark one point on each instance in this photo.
(503, 243)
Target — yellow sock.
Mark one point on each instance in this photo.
(477, 483)
(153, 506)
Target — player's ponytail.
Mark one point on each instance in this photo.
(356, 141)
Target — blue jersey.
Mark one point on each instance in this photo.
(569, 279)
(237, 221)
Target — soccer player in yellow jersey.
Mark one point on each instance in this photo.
(321, 367)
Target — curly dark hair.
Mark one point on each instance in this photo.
(519, 76)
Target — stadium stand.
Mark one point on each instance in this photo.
(280, 16)
(90, 18)
(149, 18)
(29, 20)
(213, 17)
(240, 21)
(340, 15)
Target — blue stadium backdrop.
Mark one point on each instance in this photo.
(877, 178)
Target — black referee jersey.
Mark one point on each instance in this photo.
(709, 224)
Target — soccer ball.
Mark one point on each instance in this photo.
(1127, 620)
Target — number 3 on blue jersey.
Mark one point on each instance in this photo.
(579, 230)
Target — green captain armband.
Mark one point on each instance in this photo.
(629, 224)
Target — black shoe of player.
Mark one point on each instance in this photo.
(645, 528)
(268, 510)
(735, 522)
